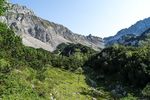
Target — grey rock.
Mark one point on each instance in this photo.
(137, 29)
(118, 91)
(93, 83)
(39, 33)
(94, 98)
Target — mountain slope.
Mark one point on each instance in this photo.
(135, 30)
(141, 40)
(39, 33)
(29, 73)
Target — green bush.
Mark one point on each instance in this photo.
(146, 90)
(130, 64)
(4, 65)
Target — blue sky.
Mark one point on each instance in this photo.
(97, 17)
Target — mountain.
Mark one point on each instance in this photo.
(39, 33)
(72, 71)
(133, 40)
(133, 31)
(37, 74)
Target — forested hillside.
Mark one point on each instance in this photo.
(36, 74)
(32, 71)
(128, 66)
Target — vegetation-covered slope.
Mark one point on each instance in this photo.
(28, 73)
(125, 65)
(72, 72)
(51, 83)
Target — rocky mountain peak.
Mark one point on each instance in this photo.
(16, 8)
(39, 33)
(136, 29)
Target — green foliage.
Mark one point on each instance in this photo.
(71, 56)
(128, 64)
(2, 6)
(60, 48)
(4, 65)
(146, 90)
(28, 73)
(48, 83)
(71, 49)
(129, 97)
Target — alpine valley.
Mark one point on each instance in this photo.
(42, 60)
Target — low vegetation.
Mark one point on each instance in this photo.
(124, 65)
(72, 72)
(32, 74)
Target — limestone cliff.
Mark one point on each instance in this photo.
(39, 33)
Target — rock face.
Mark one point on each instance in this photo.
(141, 40)
(135, 30)
(39, 33)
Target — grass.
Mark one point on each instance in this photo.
(66, 84)
(48, 84)
(25, 83)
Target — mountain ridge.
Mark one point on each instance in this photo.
(40, 33)
(136, 29)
